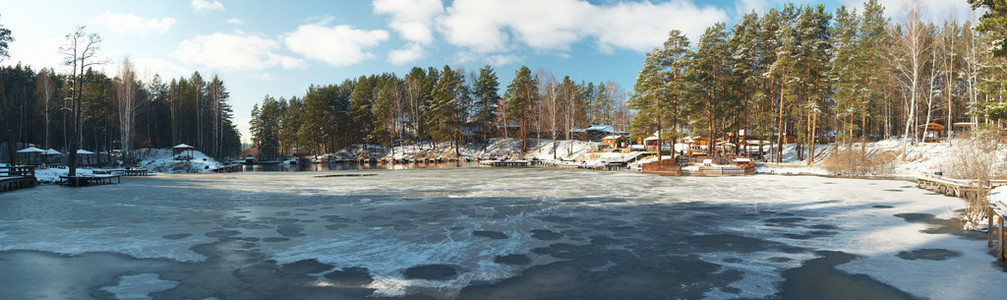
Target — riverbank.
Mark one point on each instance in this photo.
(885, 157)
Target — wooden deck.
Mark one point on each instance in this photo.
(77, 181)
(229, 168)
(995, 215)
(505, 163)
(132, 172)
(666, 167)
(17, 177)
(996, 212)
(721, 170)
(957, 187)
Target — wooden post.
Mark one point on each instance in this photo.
(1000, 252)
(989, 226)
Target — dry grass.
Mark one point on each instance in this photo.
(976, 159)
(855, 162)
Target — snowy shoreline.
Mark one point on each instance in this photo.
(154, 160)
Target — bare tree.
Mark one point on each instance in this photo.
(45, 89)
(550, 107)
(79, 53)
(931, 92)
(949, 43)
(126, 91)
(912, 42)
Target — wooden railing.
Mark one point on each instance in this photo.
(13, 171)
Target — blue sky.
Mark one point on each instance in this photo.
(280, 48)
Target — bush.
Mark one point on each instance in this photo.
(854, 162)
(976, 159)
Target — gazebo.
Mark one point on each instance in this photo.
(31, 155)
(931, 132)
(47, 156)
(179, 151)
(81, 155)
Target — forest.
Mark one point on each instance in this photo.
(820, 76)
(155, 114)
(433, 105)
(799, 72)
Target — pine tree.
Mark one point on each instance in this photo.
(486, 93)
(659, 89)
(444, 106)
(521, 93)
(710, 72)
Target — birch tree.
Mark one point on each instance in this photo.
(45, 91)
(911, 40)
(127, 89)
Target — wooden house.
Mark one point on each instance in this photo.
(615, 141)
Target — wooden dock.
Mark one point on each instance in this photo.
(719, 170)
(77, 181)
(229, 168)
(995, 214)
(17, 177)
(665, 167)
(505, 163)
(962, 188)
(132, 172)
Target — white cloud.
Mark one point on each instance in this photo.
(466, 57)
(132, 24)
(936, 11)
(203, 6)
(235, 21)
(746, 6)
(411, 19)
(237, 51)
(488, 26)
(340, 46)
(37, 51)
(146, 67)
(641, 26)
(410, 53)
(503, 59)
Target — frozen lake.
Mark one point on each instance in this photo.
(482, 233)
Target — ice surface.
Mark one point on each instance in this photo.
(139, 286)
(735, 236)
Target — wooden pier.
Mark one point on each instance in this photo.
(996, 211)
(719, 170)
(18, 177)
(665, 167)
(505, 163)
(229, 168)
(962, 188)
(77, 181)
(132, 172)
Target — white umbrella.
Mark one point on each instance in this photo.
(31, 150)
(52, 151)
(82, 151)
(183, 146)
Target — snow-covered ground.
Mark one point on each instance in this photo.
(155, 160)
(919, 159)
(162, 161)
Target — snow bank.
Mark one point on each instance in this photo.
(51, 175)
(540, 149)
(999, 195)
(162, 161)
